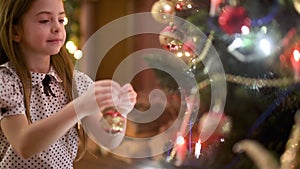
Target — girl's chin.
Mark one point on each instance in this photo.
(55, 52)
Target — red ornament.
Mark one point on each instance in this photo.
(174, 40)
(179, 7)
(170, 38)
(112, 121)
(233, 18)
(183, 5)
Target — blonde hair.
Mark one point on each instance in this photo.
(12, 12)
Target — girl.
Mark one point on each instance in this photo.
(38, 115)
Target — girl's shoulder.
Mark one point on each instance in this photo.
(11, 96)
(81, 77)
(83, 81)
(8, 74)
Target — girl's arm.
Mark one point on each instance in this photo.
(29, 139)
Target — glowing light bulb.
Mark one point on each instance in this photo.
(187, 54)
(78, 54)
(295, 59)
(180, 140)
(71, 47)
(179, 54)
(222, 140)
(245, 30)
(198, 149)
(190, 6)
(296, 55)
(264, 29)
(178, 6)
(66, 21)
(265, 46)
(238, 42)
(167, 8)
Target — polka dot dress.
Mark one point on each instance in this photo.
(62, 153)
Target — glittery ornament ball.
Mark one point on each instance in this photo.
(170, 37)
(163, 11)
(112, 121)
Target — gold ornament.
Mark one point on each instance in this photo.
(163, 11)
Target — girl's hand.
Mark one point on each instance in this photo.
(101, 95)
(127, 99)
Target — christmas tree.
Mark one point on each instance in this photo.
(258, 43)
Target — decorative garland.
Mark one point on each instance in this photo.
(204, 52)
(252, 82)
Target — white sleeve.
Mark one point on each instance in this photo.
(11, 95)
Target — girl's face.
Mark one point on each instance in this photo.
(41, 31)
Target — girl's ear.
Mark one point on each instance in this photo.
(16, 33)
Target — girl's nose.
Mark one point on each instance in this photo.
(56, 27)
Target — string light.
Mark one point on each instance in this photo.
(296, 55)
(187, 54)
(167, 7)
(222, 140)
(179, 54)
(245, 30)
(198, 149)
(66, 21)
(71, 47)
(78, 54)
(180, 140)
(237, 43)
(265, 46)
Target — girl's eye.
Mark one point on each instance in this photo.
(43, 21)
(61, 20)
